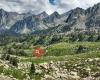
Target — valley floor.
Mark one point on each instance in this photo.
(68, 65)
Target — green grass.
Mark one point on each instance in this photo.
(1, 69)
(15, 73)
(66, 51)
(76, 57)
(62, 49)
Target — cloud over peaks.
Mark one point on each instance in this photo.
(37, 6)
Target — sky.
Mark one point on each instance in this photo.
(38, 6)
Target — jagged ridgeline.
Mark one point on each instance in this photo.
(76, 19)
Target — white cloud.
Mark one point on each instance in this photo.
(87, 3)
(37, 6)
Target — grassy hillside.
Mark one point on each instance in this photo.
(76, 56)
(66, 51)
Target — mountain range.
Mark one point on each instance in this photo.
(75, 20)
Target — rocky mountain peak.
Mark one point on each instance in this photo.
(42, 15)
(78, 11)
(2, 12)
(94, 10)
(55, 14)
(52, 17)
(75, 14)
(93, 16)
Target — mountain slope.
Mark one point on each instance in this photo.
(29, 24)
(75, 20)
(35, 22)
(93, 16)
(7, 19)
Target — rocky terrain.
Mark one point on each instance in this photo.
(63, 70)
(82, 69)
